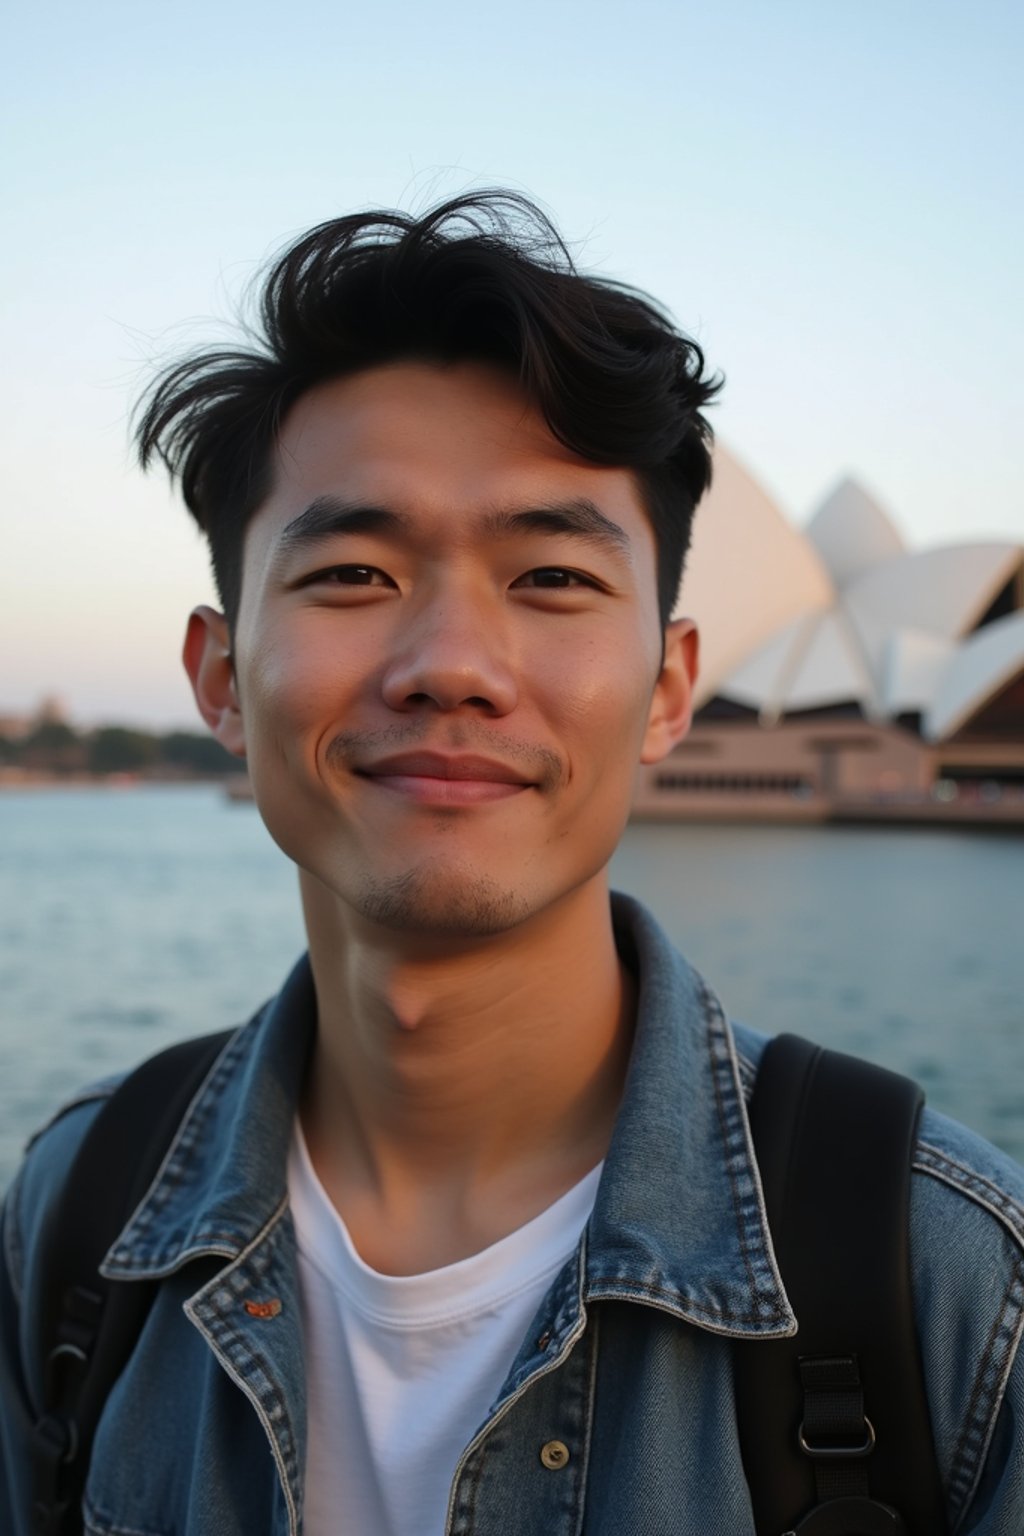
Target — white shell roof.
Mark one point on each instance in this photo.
(844, 613)
(813, 662)
(831, 670)
(943, 592)
(977, 670)
(915, 662)
(852, 533)
(758, 681)
(749, 573)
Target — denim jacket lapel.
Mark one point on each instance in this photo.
(679, 1221)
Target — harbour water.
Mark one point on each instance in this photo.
(130, 919)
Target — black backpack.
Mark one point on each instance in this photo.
(834, 1424)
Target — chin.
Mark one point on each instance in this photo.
(449, 904)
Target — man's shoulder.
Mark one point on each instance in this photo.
(49, 1155)
(53, 1149)
(963, 1162)
(71, 1119)
(967, 1274)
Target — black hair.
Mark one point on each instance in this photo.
(483, 277)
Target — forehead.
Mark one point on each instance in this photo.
(434, 441)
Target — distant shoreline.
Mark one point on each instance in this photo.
(25, 779)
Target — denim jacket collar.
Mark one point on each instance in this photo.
(679, 1220)
(224, 1177)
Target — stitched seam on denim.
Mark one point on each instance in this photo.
(286, 1461)
(682, 1308)
(713, 1018)
(987, 1396)
(964, 1463)
(487, 1445)
(264, 1394)
(593, 1344)
(928, 1159)
(461, 1512)
(748, 1211)
(193, 1125)
(568, 1290)
(258, 1377)
(181, 1258)
(218, 1246)
(476, 1481)
(483, 1435)
(177, 1159)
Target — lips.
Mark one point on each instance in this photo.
(432, 777)
(434, 765)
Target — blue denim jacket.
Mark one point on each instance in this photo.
(627, 1362)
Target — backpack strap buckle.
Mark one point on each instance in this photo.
(55, 1438)
(830, 1451)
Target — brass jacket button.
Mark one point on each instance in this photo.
(554, 1455)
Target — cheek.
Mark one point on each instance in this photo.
(295, 679)
(600, 694)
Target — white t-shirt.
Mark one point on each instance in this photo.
(402, 1369)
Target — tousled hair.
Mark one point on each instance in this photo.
(483, 277)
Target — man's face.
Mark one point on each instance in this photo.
(448, 657)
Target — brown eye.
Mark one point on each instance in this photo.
(350, 576)
(554, 578)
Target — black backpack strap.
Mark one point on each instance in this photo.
(88, 1325)
(834, 1424)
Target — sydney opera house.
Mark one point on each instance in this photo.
(843, 675)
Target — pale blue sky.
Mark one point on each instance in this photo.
(827, 195)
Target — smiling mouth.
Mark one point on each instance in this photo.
(428, 778)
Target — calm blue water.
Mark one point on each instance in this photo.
(132, 918)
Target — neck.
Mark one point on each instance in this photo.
(457, 1090)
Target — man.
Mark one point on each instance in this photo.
(460, 1231)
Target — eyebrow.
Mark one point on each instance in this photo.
(577, 518)
(327, 516)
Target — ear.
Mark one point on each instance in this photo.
(211, 669)
(672, 701)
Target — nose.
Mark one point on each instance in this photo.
(451, 655)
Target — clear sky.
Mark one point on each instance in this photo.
(827, 195)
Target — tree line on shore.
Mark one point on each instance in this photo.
(53, 747)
